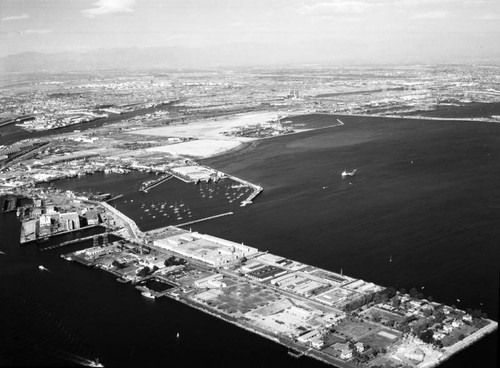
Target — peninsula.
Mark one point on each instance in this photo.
(332, 317)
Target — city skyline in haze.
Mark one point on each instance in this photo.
(445, 30)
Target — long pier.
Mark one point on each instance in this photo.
(115, 197)
(206, 219)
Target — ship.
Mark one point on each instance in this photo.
(147, 294)
(348, 173)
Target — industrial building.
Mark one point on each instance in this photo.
(210, 250)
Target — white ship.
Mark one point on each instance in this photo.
(147, 294)
(348, 173)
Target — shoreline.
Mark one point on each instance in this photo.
(468, 341)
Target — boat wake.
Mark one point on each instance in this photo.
(79, 360)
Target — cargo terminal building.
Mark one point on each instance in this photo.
(213, 251)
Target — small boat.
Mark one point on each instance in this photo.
(178, 335)
(42, 268)
(2, 252)
(349, 173)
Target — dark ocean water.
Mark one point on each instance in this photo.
(426, 194)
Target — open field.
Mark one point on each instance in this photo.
(210, 129)
(384, 314)
(201, 148)
(380, 339)
(242, 298)
(355, 329)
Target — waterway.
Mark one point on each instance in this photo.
(425, 197)
(12, 133)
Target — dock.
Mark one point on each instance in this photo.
(155, 183)
(257, 189)
(23, 240)
(95, 237)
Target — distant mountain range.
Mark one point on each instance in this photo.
(153, 57)
(241, 54)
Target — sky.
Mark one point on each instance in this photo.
(455, 28)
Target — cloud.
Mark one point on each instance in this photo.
(15, 17)
(36, 31)
(489, 17)
(102, 7)
(432, 15)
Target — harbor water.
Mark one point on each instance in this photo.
(422, 211)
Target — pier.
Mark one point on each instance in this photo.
(206, 219)
(115, 197)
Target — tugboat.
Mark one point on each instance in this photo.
(348, 173)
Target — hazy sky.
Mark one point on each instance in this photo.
(410, 26)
